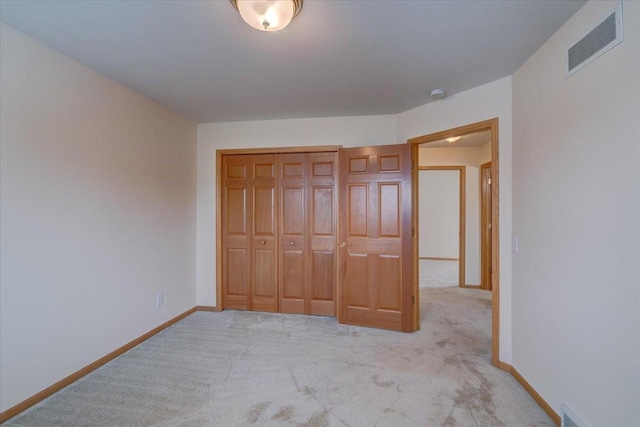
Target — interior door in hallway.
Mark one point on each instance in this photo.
(375, 277)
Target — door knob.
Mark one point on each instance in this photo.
(291, 243)
(262, 242)
(345, 244)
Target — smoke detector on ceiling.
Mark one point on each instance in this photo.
(438, 93)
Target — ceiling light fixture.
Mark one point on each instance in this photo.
(268, 15)
(453, 139)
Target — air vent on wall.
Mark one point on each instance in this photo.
(569, 418)
(603, 37)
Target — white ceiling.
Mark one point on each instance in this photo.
(336, 58)
(469, 140)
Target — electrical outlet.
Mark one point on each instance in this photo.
(159, 299)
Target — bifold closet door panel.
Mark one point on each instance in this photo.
(236, 187)
(264, 214)
(279, 225)
(292, 284)
(321, 231)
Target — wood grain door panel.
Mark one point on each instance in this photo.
(236, 233)
(264, 213)
(322, 228)
(293, 252)
(389, 209)
(375, 266)
(279, 231)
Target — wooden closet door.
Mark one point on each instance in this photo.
(321, 230)
(292, 283)
(308, 217)
(264, 211)
(236, 225)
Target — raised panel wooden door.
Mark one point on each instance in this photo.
(249, 231)
(293, 227)
(321, 231)
(264, 214)
(307, 282)
(236, 231)
(375, 233)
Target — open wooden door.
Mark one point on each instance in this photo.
(375, 278)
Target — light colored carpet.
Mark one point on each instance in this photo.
(438, 273)
(243, 368)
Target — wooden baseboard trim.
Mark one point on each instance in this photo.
(438, 258)
(543, 404)
(505, 366)
(26, 404)
(471, 286)
(207, 308)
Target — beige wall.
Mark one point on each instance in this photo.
(439, 213)
(576, 283)
(97, 215)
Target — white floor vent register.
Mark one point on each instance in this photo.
(569, 418)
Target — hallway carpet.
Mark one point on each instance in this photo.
(257, 369)
(438, 273)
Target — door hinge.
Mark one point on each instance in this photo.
(413, 232)
(489, 181)
(413, 300)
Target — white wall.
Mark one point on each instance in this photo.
(472, 158)
(345, 131)
(97, 215)
(439, 213)
(576, 296)
(478, 104)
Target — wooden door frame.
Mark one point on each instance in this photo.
(219, 194)
(462, 226)
(485, 247)
(491, 125)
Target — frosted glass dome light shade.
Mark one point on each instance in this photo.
(268, 15)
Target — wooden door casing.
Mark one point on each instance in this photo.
(485, 225)
(375, 258)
